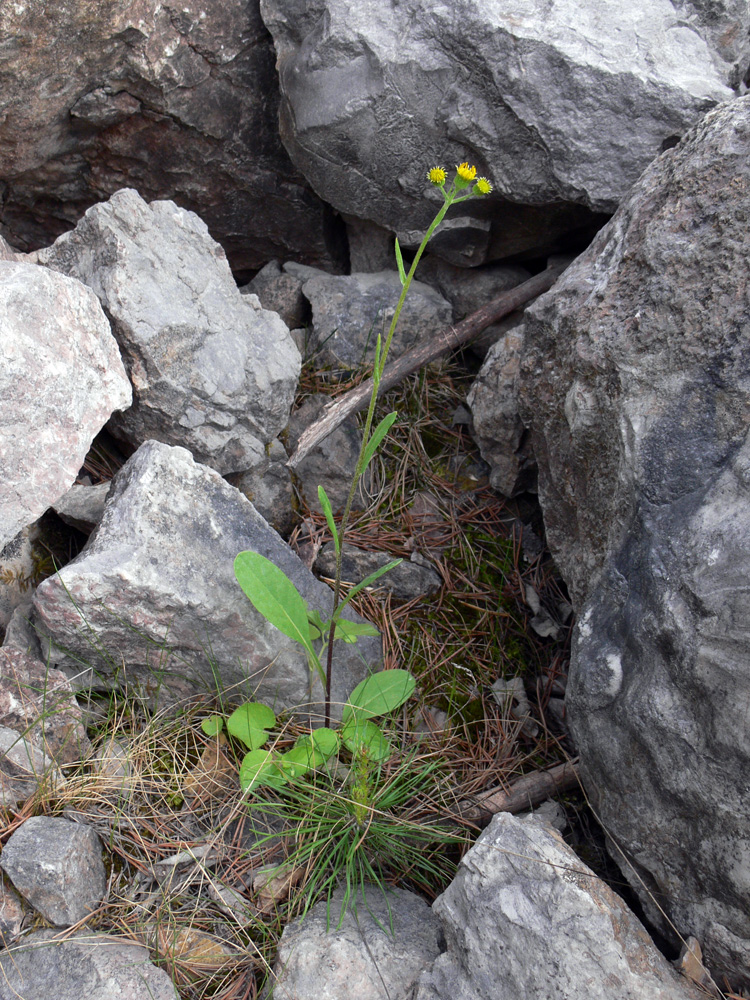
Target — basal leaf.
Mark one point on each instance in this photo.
(326, 741)
(274, 595)
(258, 768)
(248, 723)
(212, 725)
(299, 760)
(378, 694)
(362, 732)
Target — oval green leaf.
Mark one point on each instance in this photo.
(379, 693)
(361, 732)
(326, 741)
(259, 768)
(299, 760)
(248, 724)
(212, 725)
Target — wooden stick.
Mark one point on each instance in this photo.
(454, 336)
(521, 795)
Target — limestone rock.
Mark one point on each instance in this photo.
(155, 585)
(362, 958)
(82, 506)
(61, 378)
(268, 486)
(635, 385)
(86, 965)
(349, 311)
(179, 102)
(57, 866)
(525, 917)
(281, 293)
(562, 106)
(210, 370)
(24, 767)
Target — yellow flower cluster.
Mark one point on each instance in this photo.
(465, 172)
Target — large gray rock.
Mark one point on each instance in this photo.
(349, 311)
(379, 951)
(153, 592)
(57, 866)
(525, 918)
(24, 768)
(635, 384)
(177, 101)
(211, 370)
(85, 966)
(61, 378)
(561, 105)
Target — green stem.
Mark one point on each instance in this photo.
(450, 199)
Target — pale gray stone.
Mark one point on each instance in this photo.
(38, 703)
(268, 486)
(377, 952)
(23, 768)
(524, 917)
(405, 581)
(154, 588)
(211, 370)
(560, 105)
(20, 633)
(82, 506)
(635, 385)
(86, 966)
(348, 313)
(61, 377)
(57, 866)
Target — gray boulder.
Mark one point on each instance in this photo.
(82, 506)
(268, 487)
(24, 768)
(525, 917)
(635, 385)
(212, 371)
(85, 966)
(57, 866)
(348, 313)
(379, 951)
(179, 102)
(561, 106)
(281, 293)
(61, 378)
(153, 592)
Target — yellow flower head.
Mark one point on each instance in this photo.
(436, 176)
(465, 172)
(482, 186)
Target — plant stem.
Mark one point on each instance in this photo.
(450, 198)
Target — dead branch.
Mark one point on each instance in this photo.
(447, 340)
(523, 794)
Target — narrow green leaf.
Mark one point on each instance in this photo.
(249, 722)
(400, 262)
(378, 694)
(376, 437)
(325, 503)
(258, 768)
(369, 580)
(274, 595)
(351, 631)
(212, 725)
(361, 732)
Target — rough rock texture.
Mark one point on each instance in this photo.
(57, 866)
(362, 958)
(13, 914)
(23, 768)
(61, 378)
(405, 581)
(498, 429)
(636, 387)
(86, 966)
(561, 103)
(157, 576)
(349, 311)
(82, 506)
(280, 292)
(178, 101)
(525, 917)
(39, 703)
(211, 370)
(268, 487)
